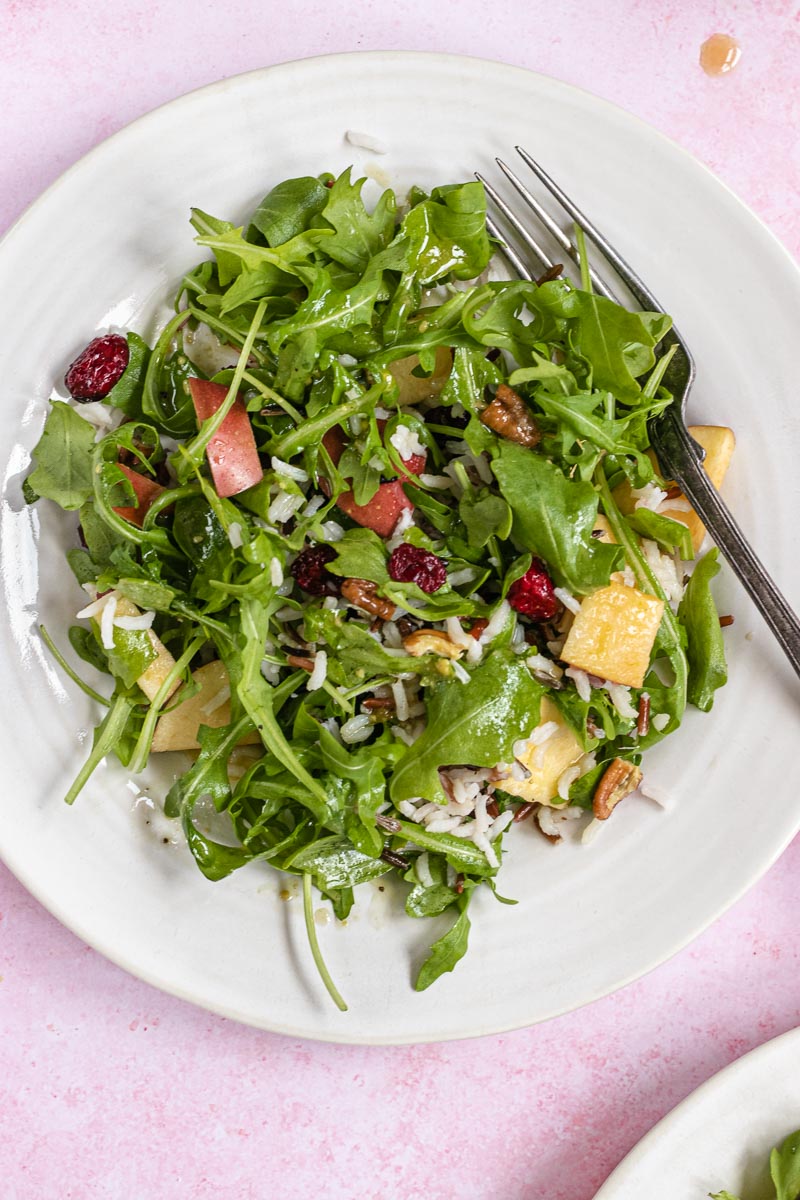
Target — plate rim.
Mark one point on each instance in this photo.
(559, 88)
(628, 1169)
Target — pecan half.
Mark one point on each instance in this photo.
(361, 593)
(509, 416)
(431, 641)
(619, 780)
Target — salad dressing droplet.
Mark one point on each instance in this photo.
(719, 54)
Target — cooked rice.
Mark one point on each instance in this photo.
(567, 599)
(320, 672)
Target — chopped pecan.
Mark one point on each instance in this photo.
(361, 593)
(431, 641)
(508, 415)
(619, 780)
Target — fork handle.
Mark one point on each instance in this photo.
(679, 460)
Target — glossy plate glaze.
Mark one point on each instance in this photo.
(104, 248)
(721, 1135)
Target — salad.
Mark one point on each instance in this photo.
(784, 1170)
(377, 539)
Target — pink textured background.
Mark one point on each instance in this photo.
(110, 1089)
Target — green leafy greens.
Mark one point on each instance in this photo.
(351, 714)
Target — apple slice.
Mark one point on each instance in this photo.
(232, 455)
(146, 489)
(382, 512)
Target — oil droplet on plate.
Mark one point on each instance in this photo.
(719, 54)
(285, 894)
(322, 916)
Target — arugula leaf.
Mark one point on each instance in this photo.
(448, 950)
(706, 649)
(554, 517)
(288, 209)
(126, 393)
(485, 516)
(476, 723)
(63, 457)
(358, 235)
(336, 863)
(667, 533)
(784, 1167)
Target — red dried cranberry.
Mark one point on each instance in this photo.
(412, 564)
(312, 574)
(98, 367)
(533, 595)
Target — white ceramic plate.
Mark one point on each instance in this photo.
(105, 247)
(720, 1137)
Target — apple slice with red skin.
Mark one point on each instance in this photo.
(146, 489)
(382, 512)
(232, 454)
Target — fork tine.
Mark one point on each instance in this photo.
(626, 273)
(507, 251)
(524, 234)
(553, 227)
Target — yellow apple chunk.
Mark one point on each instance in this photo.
(415, 388)
(159, 668)
(177, 729)
(546, 762)
(613, 634)
(718, 442)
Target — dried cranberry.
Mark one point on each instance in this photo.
(533, 594)
(412, 564)
(97, 368)
(312, 574)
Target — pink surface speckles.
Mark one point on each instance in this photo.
(110, 1089)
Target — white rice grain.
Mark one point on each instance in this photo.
(143, 621)
(275, 572)
(320, 672)
(441, 482)
(107, 622)
(314, 505)
(406, 442)
(291, 472)
(566, 780)
(366, 141)
(591, 831)
(400, 700)
(545, 667)
(332, 531)
(357, 729)
(423, 870)
(456, 631)
(235, 534)
(660, 722)
(461, 673)
(497, 622)
(621, 699)
(283, 507)
(567, 599)
(581, 681)
(501, 823)
(270, 671)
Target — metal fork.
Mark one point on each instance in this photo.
(679, 456)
